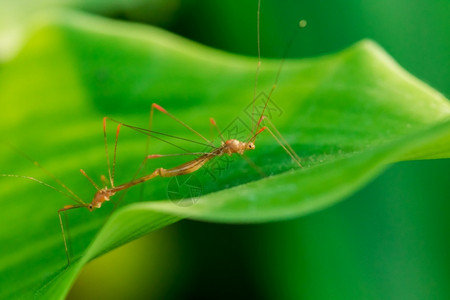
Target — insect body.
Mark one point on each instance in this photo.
(227, 147)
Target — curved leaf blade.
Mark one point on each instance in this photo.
(347, 115)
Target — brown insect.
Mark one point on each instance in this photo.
(227, 147)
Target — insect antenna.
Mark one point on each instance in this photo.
(214, 124)
(70, 194)
(258, 66)
(154, 134)
(44, 184)
(301, 24)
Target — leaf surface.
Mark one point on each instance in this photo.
(347, 115)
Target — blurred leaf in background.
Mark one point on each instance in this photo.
(388, 241)
(15, 15)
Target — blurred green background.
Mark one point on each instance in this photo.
(388, 241)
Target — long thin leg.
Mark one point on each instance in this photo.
(156, 135)
(254, 166)
(111, 173)
(115, 154)
(90, 179)
(301, 24)
(104, 180)
(152, 156)
(278, 141)
(64, 237)
(143, 165)
(106, 150)
(214, 124)
(158, 107)
(211, 132)
(150, 125)
(258, 66)
(65, 208)
(282, 138)
(284, 147)
(270, 94)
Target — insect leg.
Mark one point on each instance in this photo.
(65, 208)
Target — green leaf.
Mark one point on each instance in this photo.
(13, 14)
(347, 115)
